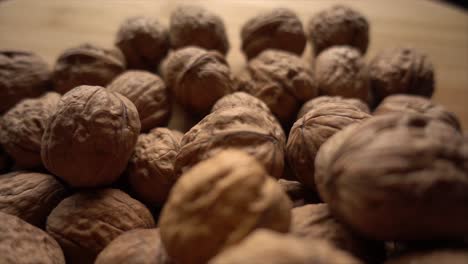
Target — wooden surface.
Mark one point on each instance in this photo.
(48, 27)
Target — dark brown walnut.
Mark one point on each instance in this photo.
(22, 128)
(297, 192)
(281, 79)
(151, 167)
(22, 75)
(22, 243)
(87, 65)
(312, 130)
(206, 212)
(382, 176)
(265, 246)
(237, 99)
(196, 26)
(90, 137)
(316, 102)
(279, 28)
(197, 78)
(30, 196)
(401, 70)
(149, 94)
(255, 132)
(315, 221)
(144, 42)
(86, 222)
(139, 246)
(338, 25)
(341, 71)
(432, 257)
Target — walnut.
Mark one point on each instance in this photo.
(312, 130)
(149, 94)
(143, 41)
(255, 132)
(196, 26)
(279, 28)
(297, 192)
(90, 137)
(314, 103)
(237, 99)
(265, 246)
(21, 243)
(22, 75)
(281, 79)
(341, 71)
(151, 167)
(338, 25)
(433, 257)
(191, 72)
(381, 176)
(22, 128)
(86, 65)
(86, 222)
(139, 246)
(206, 210)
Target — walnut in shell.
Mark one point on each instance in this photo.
(316, 102)
(237, 99)
(90, 137)
(149, 94)
(206, 210)
(440, 256)
(279, 28)
(86, 222)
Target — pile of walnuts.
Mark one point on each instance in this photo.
(332, 159)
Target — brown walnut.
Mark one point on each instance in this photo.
(432, 257)
(237, 99)
(316, 102)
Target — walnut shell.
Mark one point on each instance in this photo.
(297, 192)
(195, 26)
(242, 99)
(255, 132)
(22, 75)
(432, 257)
(316, 102)
(86, 222)
(149, 94)
(151, 167)
(279, 28)
(22, 128)
(381, 176)
(338, 25)
(22, 243)
(139, 246)
(143, 41)
(206, 211)
(191, 71)
(90, 137)
(86, 64)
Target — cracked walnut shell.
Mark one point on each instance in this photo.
(316, 102)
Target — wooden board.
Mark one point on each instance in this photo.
(50, 26)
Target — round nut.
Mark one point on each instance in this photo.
(279, 28)
(451, 256)
(242, 99)
(316, 102)
(86, 222)
(143, 41)
(86, 65)
(22, 128)
(206, 211)
(90, 137)
(149, 94)
(22, 75)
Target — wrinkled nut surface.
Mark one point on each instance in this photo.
(381, 176)
(280, 79)
(144, 42)
(90, 137)
(312, 130)
(22, 243)
(151, 167)
(237, 99)
(316, 102)
(297, 192)
(338, 25)
(86, 64)
(432, 257)
(22, 75)
(139, 246)
(205, 210)
(279, 28)
(86, 222)
(148, 93)
(196, 26)
(22, 128)
(197, 78)
(265, 246)
(255, 132)
(341, 71)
